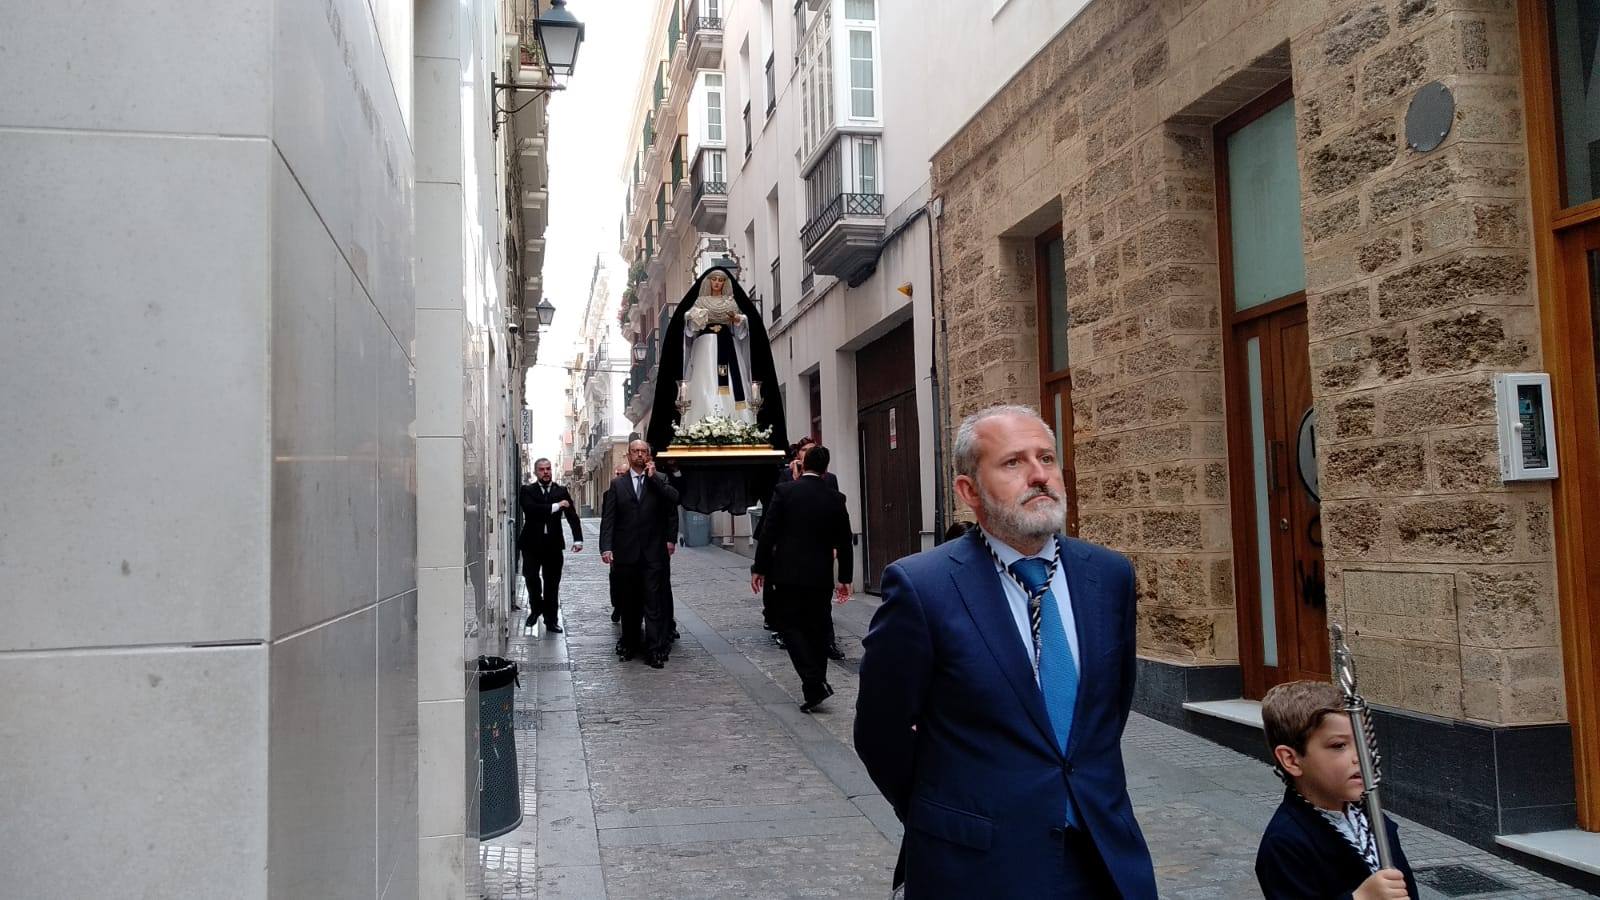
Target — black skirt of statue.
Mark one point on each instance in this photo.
(730, 486)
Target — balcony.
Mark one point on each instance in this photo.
(708, 210)
(534, 210)
(704, 35)
(842, 240)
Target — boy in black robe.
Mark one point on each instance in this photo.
(1320, 843)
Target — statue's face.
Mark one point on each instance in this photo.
(718, 283)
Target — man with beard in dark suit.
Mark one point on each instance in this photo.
(638, 535)
(803, 531)
(543, 504)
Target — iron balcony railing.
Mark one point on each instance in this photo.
(842, 205)
(807, 280)
(696, 24)
(702, 188)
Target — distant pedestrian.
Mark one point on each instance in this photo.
(791, 471)
(638, 535)
(989, 724)
(544, 504)
(1320, 843)
(805, 531)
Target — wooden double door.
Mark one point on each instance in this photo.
(891, 463)
(1277, 517)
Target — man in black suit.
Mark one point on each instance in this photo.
(805, 528)
(638, 535)
(543, 504)
(792, 470)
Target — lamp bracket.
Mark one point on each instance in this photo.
(499, 114)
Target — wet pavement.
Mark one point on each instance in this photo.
(704, 780)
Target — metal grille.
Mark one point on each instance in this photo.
(841, 206)
(1460, 881)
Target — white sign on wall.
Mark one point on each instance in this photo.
(527, 426)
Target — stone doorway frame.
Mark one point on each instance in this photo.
(1568, 345)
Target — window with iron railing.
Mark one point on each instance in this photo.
(747, 130)
(677, 158)
(772, 86)
(673, 30)
(661, 84)
(777, 288)
(649, 134)
(807, 280)
(710, 176)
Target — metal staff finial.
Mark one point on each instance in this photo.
(1366, 738)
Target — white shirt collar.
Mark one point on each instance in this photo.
(1009, 554)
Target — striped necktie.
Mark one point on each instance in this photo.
(1058, 674)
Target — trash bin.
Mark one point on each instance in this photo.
(499, 797)
(696, 529)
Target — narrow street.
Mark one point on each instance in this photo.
(705, 780)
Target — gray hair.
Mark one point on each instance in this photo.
(965, 449)
(542, 459)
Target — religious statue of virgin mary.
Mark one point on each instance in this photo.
(714, 360)
(716, 356)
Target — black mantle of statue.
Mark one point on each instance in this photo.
(726, 484)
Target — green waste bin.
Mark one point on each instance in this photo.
(500, 794)
(696, 529)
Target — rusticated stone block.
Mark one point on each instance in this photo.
(1466, 340)
(1370, 358)
(1115, 335)
(1442, 283)
(1173, 484)
(1512, 687)
(1110, 180)
(1216, 481)
(1372, 469)
(1437, 405)
(1353, 418)
(1351, 529)
(1379, 253)
(1453, 529)
(1336, 312)
(1498, 225)
(1176, 240)
(1466, 460)
(1180, 581)
(1508, 608)
(1414, 595)
(1107, 528)
(1086, 309)
(1170, 529)
(1150, 66)
(1352, 157)
(1357, 30)
(1334, 219)
(1393, 72)
(1328, 105)
(1404, 194)
(1538, 519)
(1187, 634)
(1119, 488)
(1412, 12)
(1162, 283)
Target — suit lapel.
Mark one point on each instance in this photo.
(979, 586)
(1088, 609)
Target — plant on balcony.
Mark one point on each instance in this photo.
(637, 274)
(719, 431)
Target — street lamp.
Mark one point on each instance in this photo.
(560, 33)
(546, 311)
(639, 353)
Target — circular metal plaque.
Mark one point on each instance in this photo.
(1306, 454)
(1428, 119)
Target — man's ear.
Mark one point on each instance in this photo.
(1288, 760)
(967, 490)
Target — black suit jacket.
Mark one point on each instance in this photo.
(638, 529)
(805, 524)
(541, 528)
(1303, 857)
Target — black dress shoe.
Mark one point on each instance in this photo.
(815, 700)
(777, 641)
(556, 629)
(616, 616)
(625, 652)
(656, 661)
(533, 619)
(834, 652)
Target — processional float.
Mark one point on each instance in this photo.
(717, 424)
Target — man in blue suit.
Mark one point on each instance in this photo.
(995, 683)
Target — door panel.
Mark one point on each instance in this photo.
(891, 490)
(1277, 517)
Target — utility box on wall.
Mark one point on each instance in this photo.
(1525, 420)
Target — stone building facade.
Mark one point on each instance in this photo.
(1418, 286)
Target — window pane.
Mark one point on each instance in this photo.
(1258, 456)
(867, 167)
(1056, 266)
(861, 98)
(713, 81)
(1264, 210)
(1577, 35)
(713, 115)
(864, 10)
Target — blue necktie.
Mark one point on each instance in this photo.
(1058, 674)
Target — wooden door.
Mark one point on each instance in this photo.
(891, 496)
(1277, 515)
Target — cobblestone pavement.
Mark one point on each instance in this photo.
(703, 780)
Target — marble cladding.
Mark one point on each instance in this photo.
(209, 330)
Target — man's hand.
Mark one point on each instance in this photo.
(756, 581)
(1385, 884)
(671, 548)
(605, 557)
(841, 595)
(578, 547)
(650, 469)
(565, 504)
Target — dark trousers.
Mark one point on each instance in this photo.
(543, 566)
(642, 592)
(773, 617)
(805, 617)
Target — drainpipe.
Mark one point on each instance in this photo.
(935, 209)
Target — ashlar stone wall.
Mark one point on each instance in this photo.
(1418, 288)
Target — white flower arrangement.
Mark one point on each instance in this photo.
(719, 431)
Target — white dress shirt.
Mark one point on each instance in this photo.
(1018, 598)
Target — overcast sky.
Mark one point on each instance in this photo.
(588, 136)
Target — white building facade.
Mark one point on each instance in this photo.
(274, 496)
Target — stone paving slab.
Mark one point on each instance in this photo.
(704, 780)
